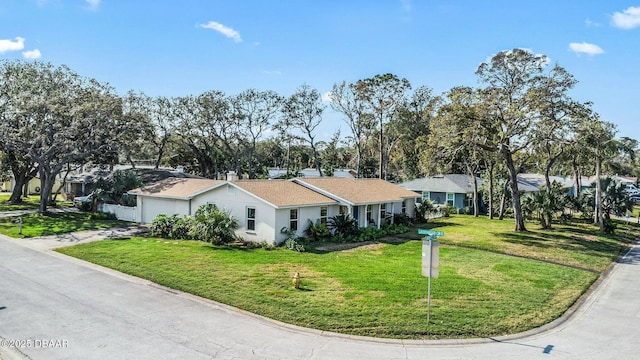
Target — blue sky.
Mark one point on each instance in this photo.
(175, 48)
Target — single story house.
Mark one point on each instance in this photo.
(444, 190)
(264, 207)
(371, 202)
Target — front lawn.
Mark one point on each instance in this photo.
(31, 202)
(56, 223)
(377, 289)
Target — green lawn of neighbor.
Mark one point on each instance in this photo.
(31, 202)
(576, 244)
(377, 289)
(56, 223)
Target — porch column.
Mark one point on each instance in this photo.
(379, 215)
(393, 211)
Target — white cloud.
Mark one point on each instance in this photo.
(586, 48)
(326, 97)
(224, 30)
(10, 45)
(272, 72)
(93, 4)
(627, 19)
(591, 23)
(32, 54)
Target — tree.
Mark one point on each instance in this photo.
(253, 112)
(557, 120)
(613, 199)
(457, 136)
(114, 189)
(138, 131)
(413, 126)
(508, 107)
(56, 117)
(599, 135)
(545, 203)
(345, 100)
(382, 95)
(303, 110)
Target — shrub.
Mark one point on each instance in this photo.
(609, 226)
(294, 245)
(317, 231)
(394, 229)
(402, 219)
(342, 224)
(162, 225)
(448, 210)
(423, 209)
(214, 225)
(182, 228)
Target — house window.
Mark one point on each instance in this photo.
(404, 207)
(251, 219)
(293, 219)
(383, 210)
(369, 218)
(323, 215)
(426, 196)
(450, 199)
(343, 210)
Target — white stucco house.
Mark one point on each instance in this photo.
(264, 207)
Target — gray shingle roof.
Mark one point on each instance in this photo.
(451, 183)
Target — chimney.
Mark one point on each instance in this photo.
(231, 176)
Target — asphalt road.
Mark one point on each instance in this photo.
(55, 307)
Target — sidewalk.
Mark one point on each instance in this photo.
(55, 241)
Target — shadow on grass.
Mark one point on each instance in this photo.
(561, 241)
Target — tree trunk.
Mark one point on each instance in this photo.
(547, 217)
(515, 194)
(503, 200)
(576, 175)
(16, 193)
(491, 191)
(381, 147)
(598, 208)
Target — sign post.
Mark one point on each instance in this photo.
(430, 261)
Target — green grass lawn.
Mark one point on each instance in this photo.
(28, 203)
(377, 289)
(577, 244)
(56, 223)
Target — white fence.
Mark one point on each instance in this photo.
(126, 213)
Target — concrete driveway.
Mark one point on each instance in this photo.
(57, 307)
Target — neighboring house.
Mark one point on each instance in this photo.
(535, 182)
(264, 207)
(444, 190)
(33, 187)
